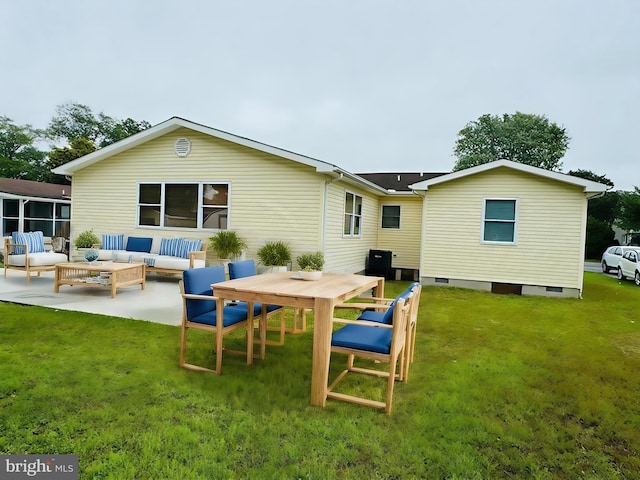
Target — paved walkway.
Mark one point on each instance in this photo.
(159, 302)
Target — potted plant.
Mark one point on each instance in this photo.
(310, 265)
(84, 244)
(275, 255)
(227, 245)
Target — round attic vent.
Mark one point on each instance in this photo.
(182, 147)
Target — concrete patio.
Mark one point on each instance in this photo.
(159, 302)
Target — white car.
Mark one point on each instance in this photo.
(612, 255)
(629, 266)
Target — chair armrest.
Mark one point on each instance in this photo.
(193, 296)
(197, 255)
(364, 323)
(11, 247)
(363, 306)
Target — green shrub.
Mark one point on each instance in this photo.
(227, 244)
(311, 261)
(274, 253)
(86, 239)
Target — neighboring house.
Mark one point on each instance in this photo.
(26, 205)
(181, 178)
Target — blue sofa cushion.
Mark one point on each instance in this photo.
(139, 244)
(360, 337)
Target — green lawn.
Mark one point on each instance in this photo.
(502, 387)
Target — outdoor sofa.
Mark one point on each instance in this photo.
(161, 255)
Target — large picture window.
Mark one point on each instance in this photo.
(352, 215)
(183, 205)
(391, 216)
(499, 224)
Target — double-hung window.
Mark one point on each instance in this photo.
(352, 215)
(391, 216)
(194, 205)
(500, 219)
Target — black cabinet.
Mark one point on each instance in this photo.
(379, 264)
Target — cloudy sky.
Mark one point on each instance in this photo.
(368, 85)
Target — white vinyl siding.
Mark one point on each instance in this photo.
(550, 231)
(404, 242)
(271, 198)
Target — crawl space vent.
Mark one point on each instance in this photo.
(182, 147)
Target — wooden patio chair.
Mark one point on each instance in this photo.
(375, 341)
(247, 268)
(200, 311)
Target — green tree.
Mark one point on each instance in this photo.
(629, 216)
(599, 237)
(524, 138)
(74, 120)
(60, 155)
(19, 157)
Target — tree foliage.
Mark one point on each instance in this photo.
(629, 216)
(74, 120)
(19, 157)
(524, 138)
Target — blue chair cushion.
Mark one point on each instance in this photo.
(197, 281)
(232, 315)
(388, 315)
(360, 337)
(373, 316)
(242, 269)
(139, 244)
(257, 308)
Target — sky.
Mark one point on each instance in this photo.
(368, 85)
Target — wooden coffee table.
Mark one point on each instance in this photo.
(99, 274)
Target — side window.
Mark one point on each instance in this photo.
(617, 251)
(499, 222)
(391, 216)
(352, 215)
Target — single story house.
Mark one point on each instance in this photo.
(26, 205)
(180, 178)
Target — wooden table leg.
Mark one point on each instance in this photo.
(322, 314)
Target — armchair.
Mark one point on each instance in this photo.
(27, 252)
(375, 341)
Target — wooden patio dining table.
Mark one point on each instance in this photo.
(319, 295)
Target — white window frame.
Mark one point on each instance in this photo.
(352, 215)
(494, 220)
(201, 206)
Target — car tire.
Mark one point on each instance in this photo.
(620, 275)
(636, 279)
(605, 268)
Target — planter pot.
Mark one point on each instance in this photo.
(315, 275)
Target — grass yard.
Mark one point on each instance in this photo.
(502, 387)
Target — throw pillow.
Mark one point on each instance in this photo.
(170, 246)
(189, 246)
(113, 241)
(139, 244)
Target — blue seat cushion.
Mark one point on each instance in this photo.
(232, 315)
(388, 315)
(360, 337)
(257, 308)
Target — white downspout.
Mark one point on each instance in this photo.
(324, 209)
